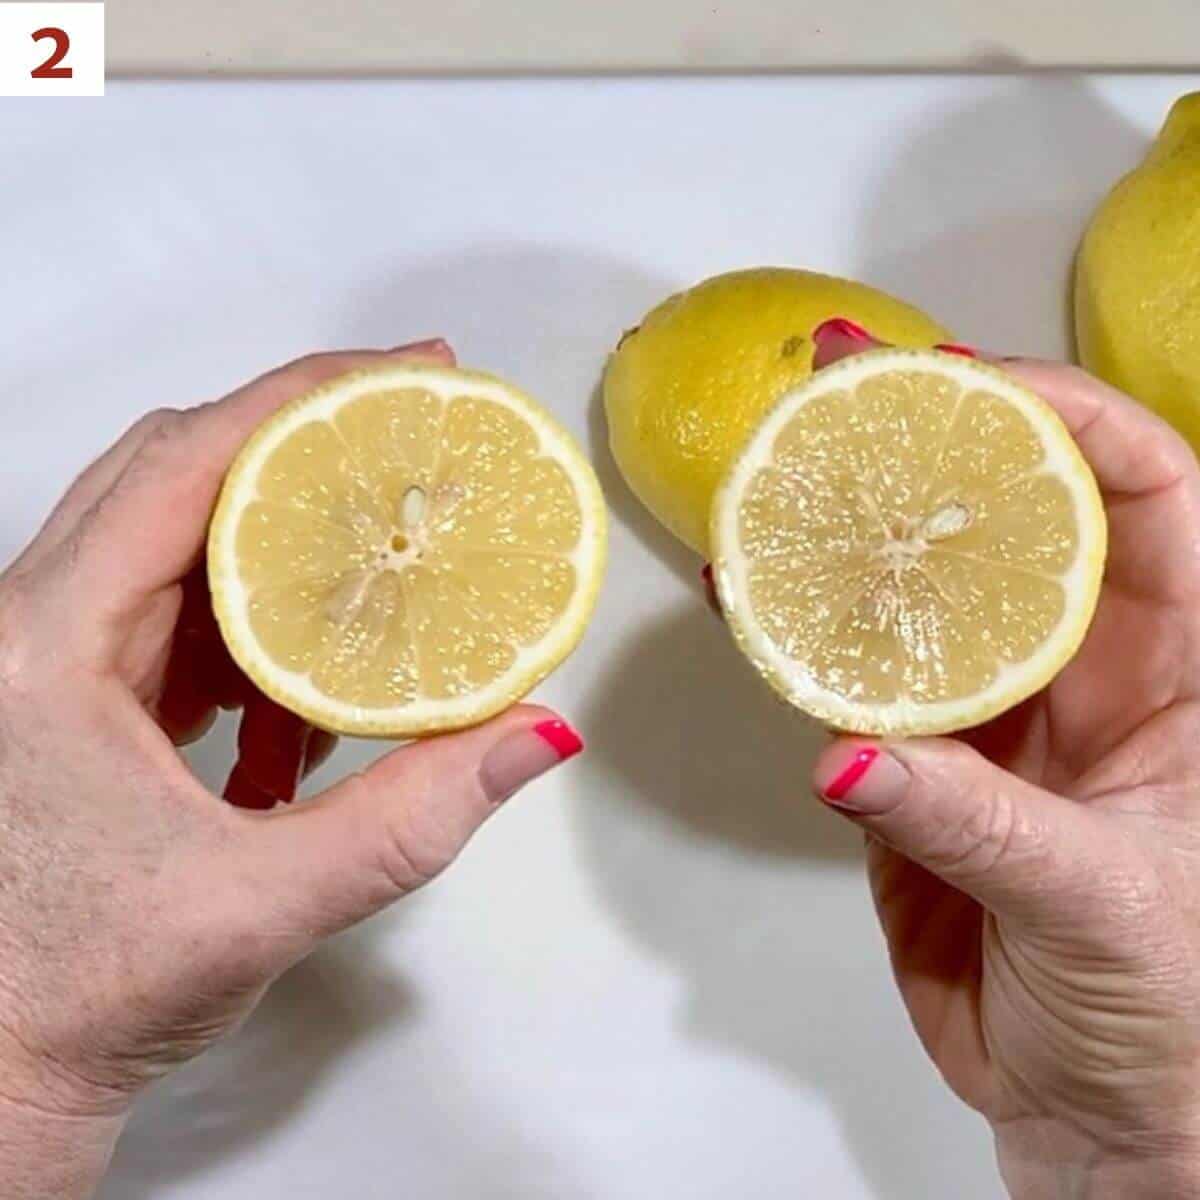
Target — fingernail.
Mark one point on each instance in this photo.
(438, 346)
(524, 755)
(842, 327)
(565, 742)
(956, 348)
(710, 590)
(860, 778)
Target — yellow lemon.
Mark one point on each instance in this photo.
(406, 550)
(684, 390)
(910, 543)
(1137, 281)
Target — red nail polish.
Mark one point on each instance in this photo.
(858, 766)
(428, 346)
(841, 325)
(242, 792)
(565, 742)
(955, 348)
(710, 590)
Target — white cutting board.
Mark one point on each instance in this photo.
(656, 975)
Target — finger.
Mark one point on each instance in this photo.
(148, 530)
(1021, 852)
(183, 713)
(272, 750)
(320, 746)
(242, 792)
(93, 483)
(98, 478)
(1132, 451)
(385, 832)
(1151, 485)
(201, 675)
(242, 789)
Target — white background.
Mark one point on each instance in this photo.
(656, 975)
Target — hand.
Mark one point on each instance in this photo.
(140, 916)
(1038, 881)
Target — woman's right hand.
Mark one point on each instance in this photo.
(1038, 880)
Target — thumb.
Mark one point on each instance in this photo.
(382, 833)
(1016, 849)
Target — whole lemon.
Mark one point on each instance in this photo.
(1137, 278)
(685, 388)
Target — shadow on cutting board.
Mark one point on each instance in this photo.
(228, 1101)
(711, 852)
(978, 219)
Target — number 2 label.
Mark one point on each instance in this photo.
(51, 48)
(51, 69)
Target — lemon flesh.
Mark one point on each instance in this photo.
(1137, 279)
(406, 550)
(911, 543)
(685, 389)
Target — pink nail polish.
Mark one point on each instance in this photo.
(955, 348)
(838, 788)
(565, 742)
(842, 326)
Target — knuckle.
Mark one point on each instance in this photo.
(1165, 446)
(14, 624)
(161, 430)
(991, 834)
(315, 369)
(1075, 377)
(307, 370)
(316, 360)
(404, 868)
(152, 423)
(1178, 456)
(404, 853)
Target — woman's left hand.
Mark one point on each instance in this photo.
(141, 917)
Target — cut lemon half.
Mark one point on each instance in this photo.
(910, 543)
(406, 550)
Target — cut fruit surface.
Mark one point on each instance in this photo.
(406, 550)
(910, 543)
